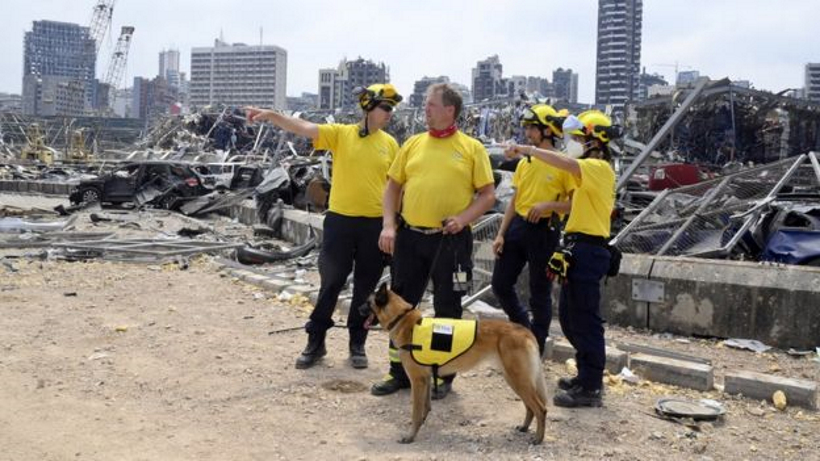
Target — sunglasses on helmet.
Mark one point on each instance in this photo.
(385, 107)
(611, 132)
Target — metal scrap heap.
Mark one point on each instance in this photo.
(729, 123)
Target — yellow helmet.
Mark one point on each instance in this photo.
(376, 94)
(597, 125)
(544, 115)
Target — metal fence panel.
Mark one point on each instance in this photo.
(709, 218)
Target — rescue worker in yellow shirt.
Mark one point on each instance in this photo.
(362, 154)
(586, 250)
(440, 182)
(530, 230)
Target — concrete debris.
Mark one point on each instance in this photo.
(748, 344)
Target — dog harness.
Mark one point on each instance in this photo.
(437, 341)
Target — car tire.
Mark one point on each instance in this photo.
(90, 195)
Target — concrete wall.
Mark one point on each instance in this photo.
(776, 304)
(36, 187)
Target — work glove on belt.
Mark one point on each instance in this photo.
(558, 265)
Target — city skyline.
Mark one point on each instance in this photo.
(746, 40)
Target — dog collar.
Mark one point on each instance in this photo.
(398, 319)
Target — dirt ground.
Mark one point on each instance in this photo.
(102, 361)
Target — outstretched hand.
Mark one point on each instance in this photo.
(514, 151)
(254, 114)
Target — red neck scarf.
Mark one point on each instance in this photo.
(449, 131)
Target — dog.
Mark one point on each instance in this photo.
(511, 345)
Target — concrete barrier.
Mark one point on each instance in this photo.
(618, 303)
(762, 386)
(48, 188)
(775, 304)
(296, 225)
(681, 373)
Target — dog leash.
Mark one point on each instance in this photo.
(394, 322)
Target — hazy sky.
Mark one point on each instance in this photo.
(763, 41)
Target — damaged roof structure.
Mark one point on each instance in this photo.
(729, 123)
(764, 213)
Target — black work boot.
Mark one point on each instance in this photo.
(314, 350)
(578, 397)
(389, 385)
(566, 384)
(358, 357)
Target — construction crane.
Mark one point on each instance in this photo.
(677, 66)
(116, 67)
(101, 21)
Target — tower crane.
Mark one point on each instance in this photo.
(116, 67)
(677, 66)
(101, 21)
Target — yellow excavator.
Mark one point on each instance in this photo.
(77, 152)
(36, 149)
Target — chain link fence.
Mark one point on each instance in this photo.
(709, 219)
(484, 232)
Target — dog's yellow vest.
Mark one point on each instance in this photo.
(437, 341)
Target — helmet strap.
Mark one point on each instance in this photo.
(552, 137)
(364, 131)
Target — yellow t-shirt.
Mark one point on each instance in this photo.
(360, 168)
(593, 199)
(440, 176)
(536, 181)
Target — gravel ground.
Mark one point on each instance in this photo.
(103, 361)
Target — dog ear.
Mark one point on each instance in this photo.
(381, 297)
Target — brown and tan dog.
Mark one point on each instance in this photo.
(512, 346)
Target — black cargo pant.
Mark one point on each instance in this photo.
(348, 243)
(413, 258)
(529, 244)
(580, 311)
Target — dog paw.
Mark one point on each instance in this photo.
(522, 428)
(535, 441)
(407, 439)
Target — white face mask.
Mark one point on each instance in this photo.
(574, 149)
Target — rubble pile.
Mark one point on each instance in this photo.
(731, 124)
(139, 235)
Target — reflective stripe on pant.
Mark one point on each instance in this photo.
(412, 260)
(348, 243)
(580, 311)
(526, 244)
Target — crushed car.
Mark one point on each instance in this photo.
(159, 183)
